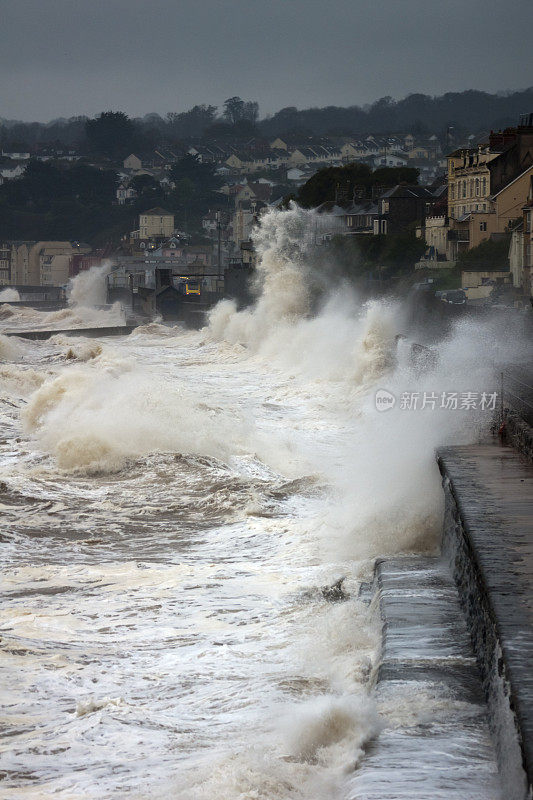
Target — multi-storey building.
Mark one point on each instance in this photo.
(526, 276)
(5, 263)
(477, 174)
(487, 188)
(42, 263)
(469, 181)
(401, 207)
(156, 223)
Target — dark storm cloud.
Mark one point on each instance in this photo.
(67, 57)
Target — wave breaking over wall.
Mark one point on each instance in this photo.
(179, 505)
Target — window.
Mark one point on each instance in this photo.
(453, 191)
(482, 226)
(477, 187)
(464, 190)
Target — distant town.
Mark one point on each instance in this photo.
(445, 200)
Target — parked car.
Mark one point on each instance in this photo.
(456, 297)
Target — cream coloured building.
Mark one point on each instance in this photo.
(516, 257)
(54, 267)
(522, 262)
(509, 201)
(502, 209)
(43, 263)
(235, 163)
(472, 279)
(5, 263)
(469, 181)
(435, 231)
(527, 266)
(156, 222)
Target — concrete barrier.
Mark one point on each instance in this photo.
(488, 541)
(115, 330)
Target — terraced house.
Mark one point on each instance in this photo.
(477, 174)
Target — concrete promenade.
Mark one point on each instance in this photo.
(440, 744)
(488, 540)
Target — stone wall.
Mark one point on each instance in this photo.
(518, 433)
(459, 547)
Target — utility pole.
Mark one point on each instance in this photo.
(130, 282)
(449, 136)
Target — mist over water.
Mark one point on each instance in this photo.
(173, 504)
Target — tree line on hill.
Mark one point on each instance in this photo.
(450, 116)
(340, 184)
(469, 111)
(385, 257)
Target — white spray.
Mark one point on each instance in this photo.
(88, 288)
(9, 296)
(309, 380)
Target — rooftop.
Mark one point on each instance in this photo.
(158, 212)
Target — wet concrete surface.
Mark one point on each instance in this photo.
(489, 536)
(436, 742)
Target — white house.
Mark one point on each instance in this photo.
(125, 194)
(8, 173)
(389, 160)
(16, 156)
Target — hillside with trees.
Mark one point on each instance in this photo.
(469, 111)
(376, 257)
(418, 113)
(490, 254)
(339, 183)
(77, 201)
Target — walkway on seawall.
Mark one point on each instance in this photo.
(439, 745)
(488, 540)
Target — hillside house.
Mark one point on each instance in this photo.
(156, 223)
(132, 163)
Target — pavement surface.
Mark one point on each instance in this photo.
(493, 488)
(436, 741)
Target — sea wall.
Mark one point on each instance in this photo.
(115, 330)
(518, 433)
(477, 547)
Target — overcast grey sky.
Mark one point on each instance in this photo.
(68, 57)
